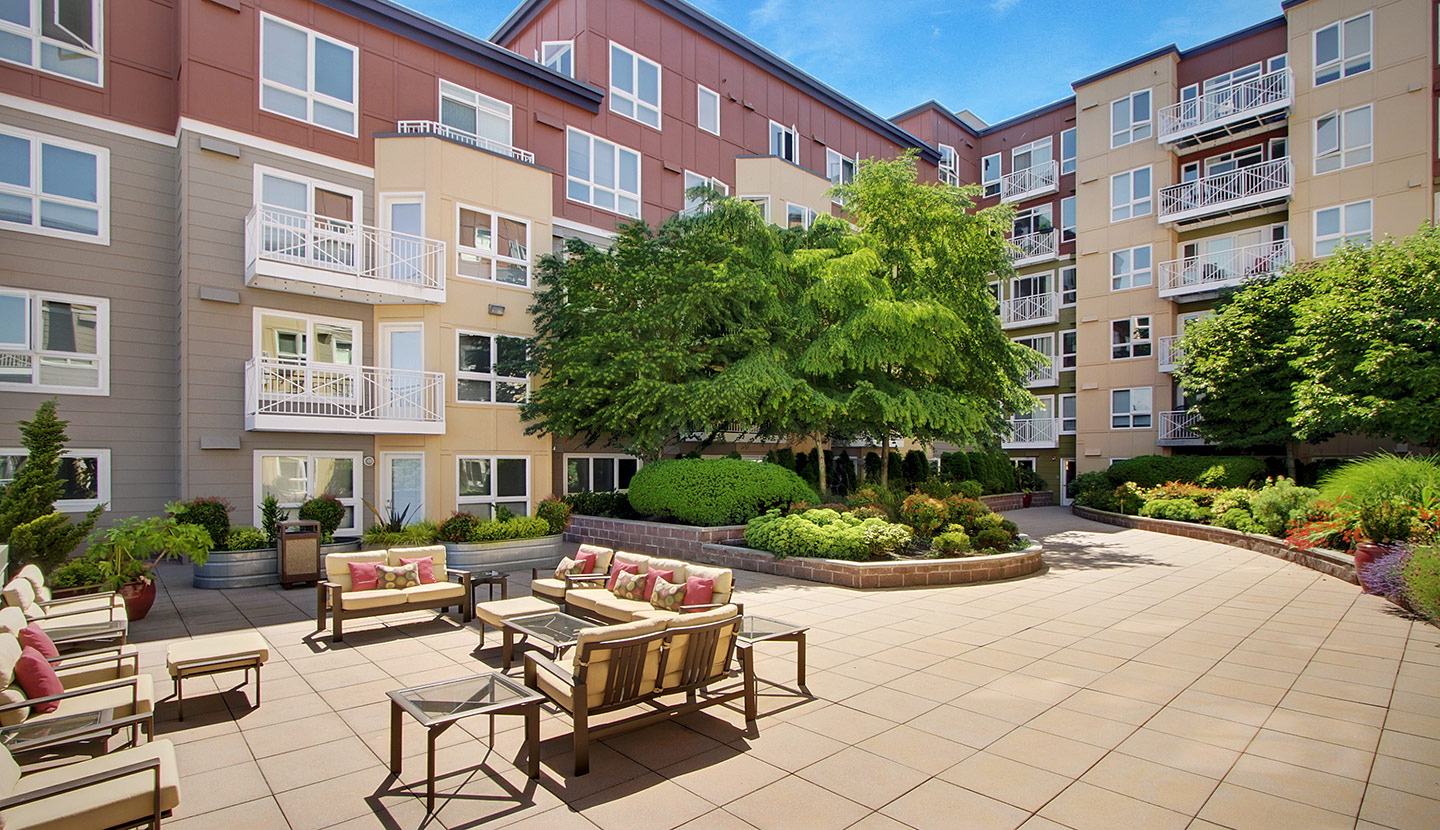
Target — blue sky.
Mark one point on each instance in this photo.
(997, 58)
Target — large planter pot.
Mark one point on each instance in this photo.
(341, 545)
(138, 596)
(510, 555)
(77, 591)
(1365, 555)
(251, 568)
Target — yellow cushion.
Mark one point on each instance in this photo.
(111, 669)
(493, 612)
(620, 609)
(242, 646)
(337, 565)
(590, 647)
(586, 598)
(435, 552)
(122, 702)
(434, 592)
(374, 598)
(9, 656)
(20, 593)
(118, 802)
(12, 717)
(548, 587)
(602, 557)
(97, 617)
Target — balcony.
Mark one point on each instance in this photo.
(1170, 353)
(1252, 188)
(1034, 247)
(306, 253)
(1032, 434)
(1043, 376)
(286, 396)
(1178, 429)
(1193, 277)
(1036, 180)
(435, 128)
(1249, 105)
(1035, 310)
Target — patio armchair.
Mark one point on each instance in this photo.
(553, 588)
(135, 786)
(94, 683)
(103, 631)
(28, 592)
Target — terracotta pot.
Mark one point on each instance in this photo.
(1026, 500)
(138, 596)
(1365, 555)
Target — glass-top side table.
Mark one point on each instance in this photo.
(93, 728)
(489, 579)
(69, 635)
(555, 629)
(755, 629)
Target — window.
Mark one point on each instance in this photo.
(990, 174)
(840, 170)
(1341, 224)
(1130, 118)
(1031, 285)
(485, 483)
(1130, 268)
(309, 222)
(62, 37)
(485, 120)
(784, 143)
(1343, 140)
(492, 247)
(1130, 194)
(84, 477)
(1130, 337)
(949, 166)
(1067, 151)
(1035, 154)
(1045, 345)
(1024, 464)
(602, 174)
(307, 76)
(1069, 349)
(1342, 49)
(304, 361)
(995, 290)
(1067, 219)
(634, 86)
(1068, 421)
(599, 473)
(559, 55)
(798, 216)
(761, 203)
(490, 368)
(1234, 160)
(54, 187)
(295, 478)
(693, 180)
(1033, 220)
(1130, 408)
(1068, 285)
(54, 343)
(707, 109)
(1279, 148)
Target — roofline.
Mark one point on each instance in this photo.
(1171, 49)
(1226, 40)
(451, 41)
(932, 104)
(739, 43)
(1067, 101)
(1287, 5)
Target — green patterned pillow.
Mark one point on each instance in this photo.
(630, 586)
(569, 566)
(397, 578)
(668, 596)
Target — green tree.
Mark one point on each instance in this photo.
(28, 522)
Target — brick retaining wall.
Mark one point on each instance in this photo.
(1000, 502)
(901, 574)
(649, 538)
(1338, 565)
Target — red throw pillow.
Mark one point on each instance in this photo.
(35, 637)
(699, 590)
(363, 576)
(588, 560)
(619, 568)
(38, 679)
(426, 564)
(653, 574)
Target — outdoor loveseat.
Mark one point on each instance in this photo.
(336, 593)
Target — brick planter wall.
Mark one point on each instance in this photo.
(962, 571)
(649, 538)
(1001, 502)
(1338, 565)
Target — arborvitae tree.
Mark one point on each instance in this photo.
(27, 505)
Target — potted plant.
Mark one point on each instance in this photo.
(1382, 523)
(126, 554)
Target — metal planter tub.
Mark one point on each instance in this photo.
(509, 555)
(250, 568)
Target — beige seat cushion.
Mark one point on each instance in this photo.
(58, 623)
(587, 599)
(548, 586)
(654, 613)
(724, 580)
(121, 702)
(374, 598)
(20, 593)
(65, 606)
(434, 592)
(122, 801)
(492, 613)
(603, 556)
(599, 661)
(244, 647)
(337, 565)
(633, 558)
(111, 669)
(435, 552)
(620, 610)
(680, 642)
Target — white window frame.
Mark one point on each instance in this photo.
(949, 166)
(494, 256)
(494, 499)
(1343, 66)
(1134, 346)
(1326, 245)
(707, 100)
(1068, 297)
(492, 377)
(786, 135)
(1048, 142)
(617, 152)
(310, 95)
(835, 163)
(991, 184)
(1343, 154)
(1067, 162)
(1127, 280)
(1024, 463)
(1068, 360)
(1073, 419)
(1132, 414)
(354, 502)
(1067, 205)
(39, 42)
(632, 96)
(693, 179)
(761, 201)
(1138, 204)
(592, 458)
(807, 215)
(357, 358)
(36, 196)
(34, 303)
(480, 102)
(357, 197)
(102, 477)
(1133, 129)
(553, 58)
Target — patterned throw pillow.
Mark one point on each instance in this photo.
(569, 566)
(668, 596)
(629, 586)
(398, 578)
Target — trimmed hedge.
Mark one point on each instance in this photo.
(715, 491)
(1208, 470)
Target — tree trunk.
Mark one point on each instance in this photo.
(884, 458)
(1290, 459)
(820, 453)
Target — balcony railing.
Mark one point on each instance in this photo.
(1031, 433)
(1044, 375)
(1034, 247)
(1029, 182)
(435, 128)
(1224, 112)
(341, 259)
(291, 396)
(1178, 428)
(1211, 272)
(1229, 192)
(1028, 311)
(1170, 353)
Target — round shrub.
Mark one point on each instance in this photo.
(1205, 470)
(458, 528)
(969, 488)
(924, 514)
(1421, 576)
(1093, 490)
(966, 511)
(1280, 503)
(209, 513)
(76, 573)
(825, 534)
(1176, 510)
(992, 538)
(501, 530)
(555, 512)
(327, 510)
(951, 543)
(717, 491)
(246, 538)
(1238, 518)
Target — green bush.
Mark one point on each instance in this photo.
(916, 467)
(411, 536)
(1226, 500)
(992, 539)
(1384, 477)
(970, 488)
(951, 543)
(611, 505)
(885, 499)
(936, 488)
(1280, 503)
(270, 518)
(1030, 481)
(327, 510)
(1176, 510)
(1129, 499)
(1238, 518)
(1095, 490)
(826, 534)
(458, 528)
(994, 471)
(966, 512)
(246, 538)
(1205, 470)
(76, 573)
(501, 530)
(716, 491)
(923, 514)
(555, 512)
(956, 467)
(1421, 578)
(210, 513)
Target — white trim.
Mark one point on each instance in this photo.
(383, 483)
(311, 95)
(1133, 204)
(102, 341)
(1131, 283)
(1341, 155)
(492, 377)
(1133, 413)
(495, 255)
(1340, 60)
(1133, 342)
(357, 216)
(592, 457)
(358, 326)
(685, 179)
(494, 498)
(949, 173)
(1061, 354)
(280, 149)
(633, 97)
(102, 188)
(1134, 130)
(479, 102)
(38, 40)
(794, 141)
(30, 106)
(756, 199)
(1346, 233)
(589, 182)
(1073, 160)
(1060, 412)
(999, 175)
(102, 474)
(1060, 285)
(355, 502)
(700, 90)
(581, 227)
(545, 62)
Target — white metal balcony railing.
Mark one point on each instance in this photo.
(435, 128)
(1226, 192)
(1223, 269)
(1170, 353)
(1032, 310)
(319, 397)
(1222, 112)
(1179, 427)
(1032, 433)
(1030, 181)
(1043, 376)
(1035, 247)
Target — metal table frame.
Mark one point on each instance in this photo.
(517, 625)
(795, 635)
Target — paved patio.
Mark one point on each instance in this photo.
(1143, 681)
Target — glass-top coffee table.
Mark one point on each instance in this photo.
(755, 629)
(555, 629)
(437, 706)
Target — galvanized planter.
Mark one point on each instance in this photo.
(509, 555)
(250, 568)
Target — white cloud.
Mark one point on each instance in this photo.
(768, 12)
(1003, 6)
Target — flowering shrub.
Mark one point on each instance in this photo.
(923, 513)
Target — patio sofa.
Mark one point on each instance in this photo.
(553, 588)
(590, 595)
(336, 595)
